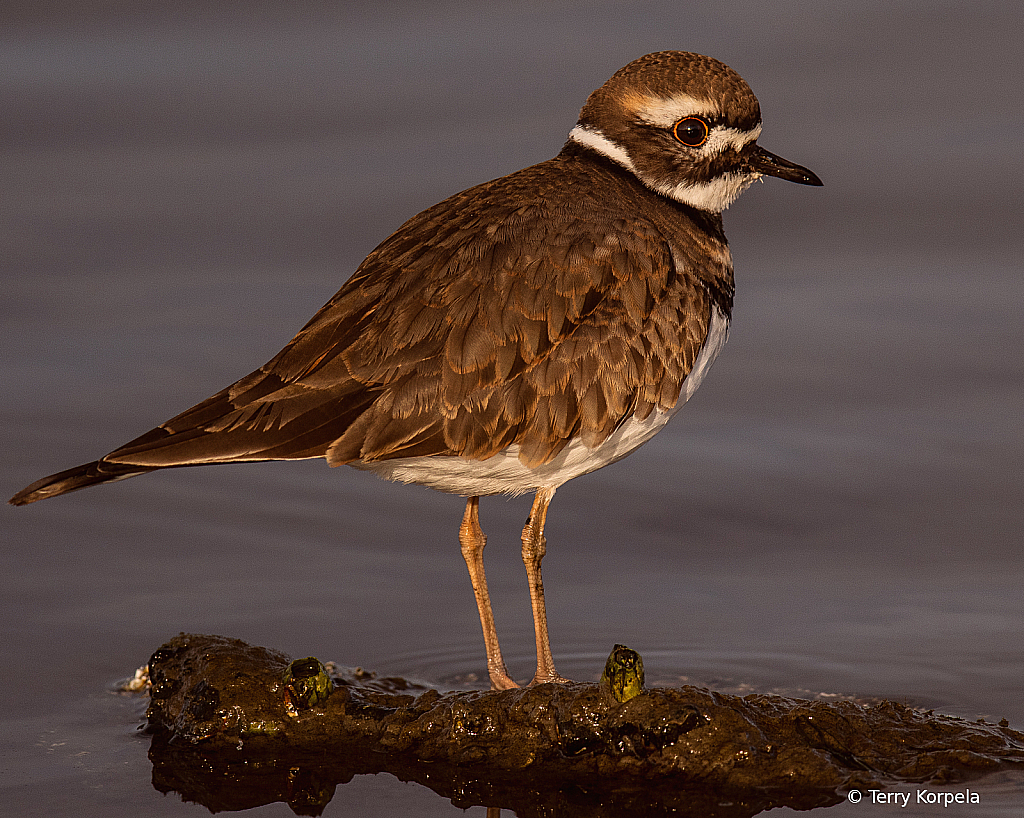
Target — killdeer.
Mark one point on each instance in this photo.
(518, 334)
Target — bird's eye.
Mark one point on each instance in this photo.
(692, 131)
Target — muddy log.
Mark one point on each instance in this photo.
(237, 725)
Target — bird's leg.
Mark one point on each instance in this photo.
(472, 539)
(534, 547)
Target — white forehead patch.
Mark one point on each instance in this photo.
(721, 139)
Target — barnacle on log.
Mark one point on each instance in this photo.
(623, 674)
(237, 725)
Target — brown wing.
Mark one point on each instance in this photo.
(478, 324)
(547, 335)
(526, 325)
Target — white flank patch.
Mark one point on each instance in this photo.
(505, 474)
(718, 334)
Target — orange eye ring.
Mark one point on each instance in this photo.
(692, 131)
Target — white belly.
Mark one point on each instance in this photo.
(504, 473)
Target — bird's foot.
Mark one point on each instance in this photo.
(500, 680)
(545, 678)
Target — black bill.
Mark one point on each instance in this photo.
(761, 161)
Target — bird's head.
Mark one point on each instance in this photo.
(686, 126)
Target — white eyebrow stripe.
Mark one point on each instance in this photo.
(597, 141)
(664, 112)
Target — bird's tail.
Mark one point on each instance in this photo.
(80, 477)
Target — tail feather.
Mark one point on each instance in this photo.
(80, 477)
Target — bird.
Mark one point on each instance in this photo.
(516, 335)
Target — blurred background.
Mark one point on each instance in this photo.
(837, 510)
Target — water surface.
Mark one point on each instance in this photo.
(837, 510)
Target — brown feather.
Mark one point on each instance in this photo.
(481, 323)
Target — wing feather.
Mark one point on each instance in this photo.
(477, 325)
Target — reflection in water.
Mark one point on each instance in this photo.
(307, 787)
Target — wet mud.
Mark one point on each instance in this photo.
(236, 726)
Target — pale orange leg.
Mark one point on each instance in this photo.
(534, 548)
(472, 539)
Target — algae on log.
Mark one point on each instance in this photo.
(228, 733)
